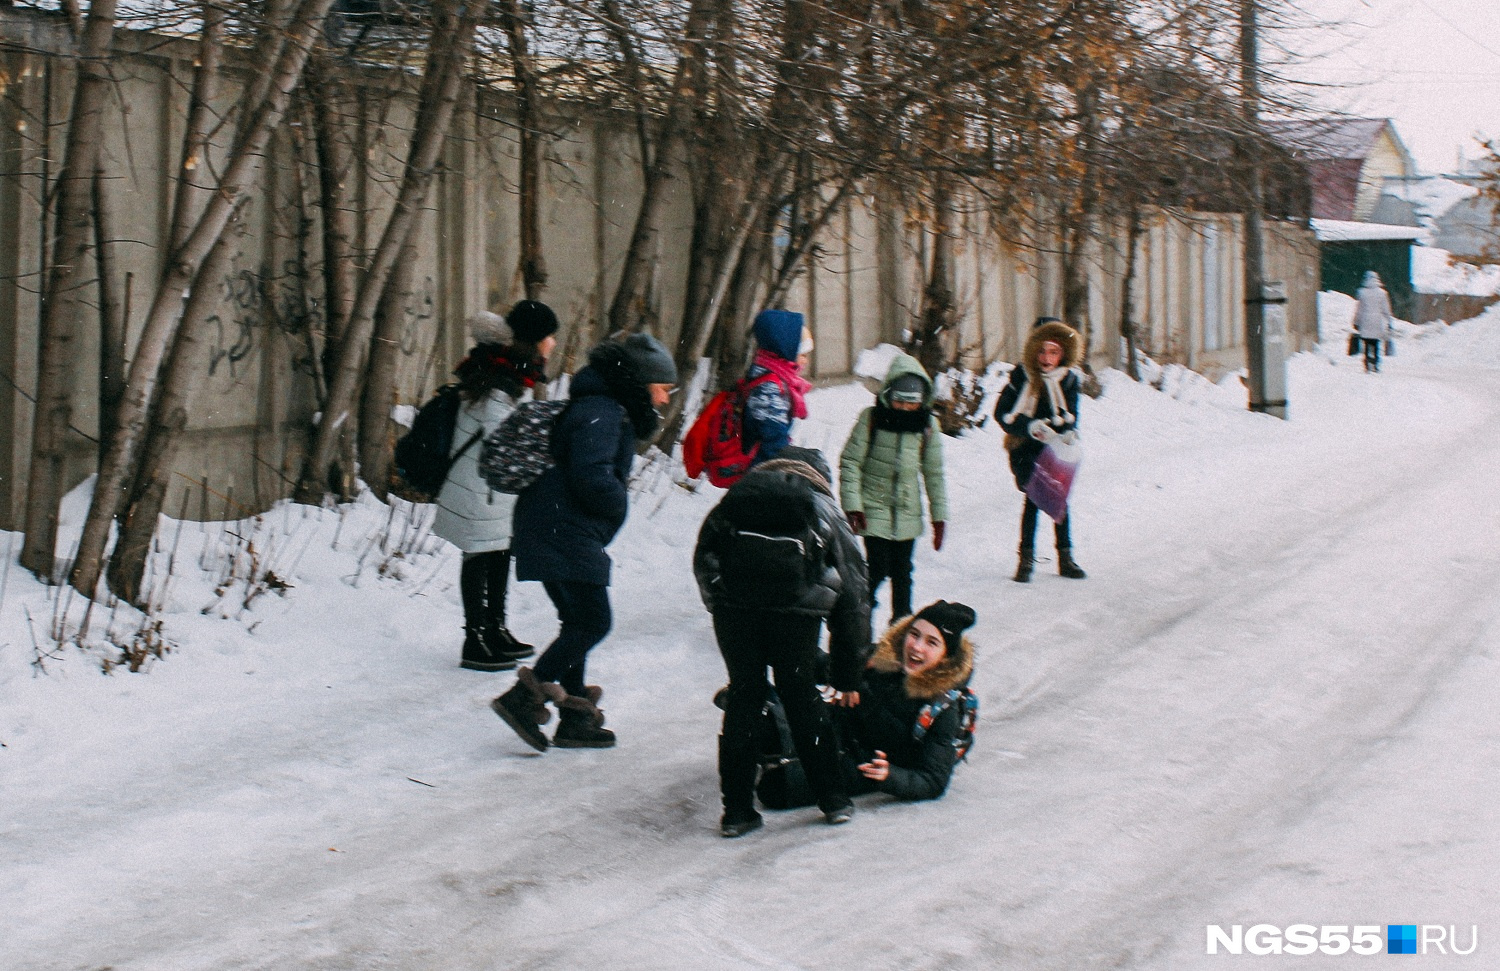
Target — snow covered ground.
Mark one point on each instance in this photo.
(1271, 702)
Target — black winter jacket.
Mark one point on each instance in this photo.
(841, 591)
(886, 718)
(567, 517)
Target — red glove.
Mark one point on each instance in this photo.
(856, 521)
(937, 536)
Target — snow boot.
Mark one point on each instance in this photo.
(1067, 567)
(497, 636)
(733, 827)
(580, 723)
(503, 643)
(524, 707)
(1025, 561)
(479, 652)
(479, 655)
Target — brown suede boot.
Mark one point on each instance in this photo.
(580, 723)
(524, 707)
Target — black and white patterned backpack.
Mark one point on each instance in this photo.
(520, 450)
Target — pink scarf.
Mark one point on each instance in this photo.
(789, 375)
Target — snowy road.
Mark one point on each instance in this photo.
(1272, 702)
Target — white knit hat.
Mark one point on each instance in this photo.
(489, 328)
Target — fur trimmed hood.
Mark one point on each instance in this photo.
(1055, 330)
(807, 470)
(951, 672)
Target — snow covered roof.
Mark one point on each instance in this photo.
(1342, 231)
(1329, 138)
(1430, 195)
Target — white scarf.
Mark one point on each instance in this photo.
(1026, 403)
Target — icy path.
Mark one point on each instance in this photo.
(1271, 702)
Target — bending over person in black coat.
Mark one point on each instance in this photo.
(775, 559)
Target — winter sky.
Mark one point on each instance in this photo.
(1431, 65)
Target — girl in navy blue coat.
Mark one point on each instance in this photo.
(565, 520)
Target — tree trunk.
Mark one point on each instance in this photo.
(380, 380)
(111, 314)
(732, 330)
(1127, 296)
(938, 311)
(178, 276)
(63, 303)
(533, 263)
(629, 304)
(453, 35)
(183, 376)
(330, 101)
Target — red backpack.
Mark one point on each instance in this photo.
(716, 442)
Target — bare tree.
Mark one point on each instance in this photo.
(181, 271)
(63, 303)
(454, 24)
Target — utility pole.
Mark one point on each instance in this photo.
(1265, 303)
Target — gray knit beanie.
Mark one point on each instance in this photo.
(649, 359)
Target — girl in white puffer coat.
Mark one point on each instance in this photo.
(1372, 320)
(506, 361)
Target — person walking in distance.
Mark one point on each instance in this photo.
(1372, 320)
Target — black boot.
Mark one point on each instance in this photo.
(1066, 567)
(496, 635)
(479, 652)
(524, 707)
(1026, 559)
(580, 723)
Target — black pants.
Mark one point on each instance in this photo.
(891, 558)
(1028, 529)
(482, 582)
(751, 641)
(584, 611)
(1372, 353)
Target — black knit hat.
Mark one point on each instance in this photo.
(951, 619)
(531, 321)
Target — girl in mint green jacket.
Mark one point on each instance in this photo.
(895, 449)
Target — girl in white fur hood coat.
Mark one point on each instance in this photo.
(1040, 403)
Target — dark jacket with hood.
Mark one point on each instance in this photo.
(885, 719)
(1024, 399)
(840, 591)
(568, 516)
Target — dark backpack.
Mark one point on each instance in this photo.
(967, 704)
(783, 781)
(520, 450)
(422, 454)
(716, 441)
(773, 554)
